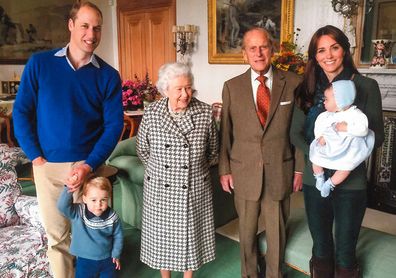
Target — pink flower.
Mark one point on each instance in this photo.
(135, 91)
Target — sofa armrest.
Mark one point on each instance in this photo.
(125, 147)
(28, 211)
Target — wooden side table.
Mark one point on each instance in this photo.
(131, 122)
(6, 120)
(6, 107)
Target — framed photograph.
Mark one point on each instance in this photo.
(229, 19)
(9, 87)
(28, 26)
(5, 87)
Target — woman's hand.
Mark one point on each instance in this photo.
(297, 181)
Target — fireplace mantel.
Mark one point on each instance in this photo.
(386, 79)
(382, 191)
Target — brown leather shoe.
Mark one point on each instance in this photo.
(321, 268)
(342, 272)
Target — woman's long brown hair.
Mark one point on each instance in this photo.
(306, 92)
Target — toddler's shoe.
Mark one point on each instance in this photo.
(319, 180)
(326, 188)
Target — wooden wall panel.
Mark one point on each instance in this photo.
(159, 41)
(145, 40)
(132, 45)
(131, 5)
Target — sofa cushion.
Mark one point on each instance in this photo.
(13, 155)
(130, 165)
(376, 253)
(28, 211)
(9, 192)
(23, 252)
(9, 187)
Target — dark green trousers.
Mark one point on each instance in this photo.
(343, 208)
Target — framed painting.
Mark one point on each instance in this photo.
(386, 20)
(28, 26)
(229, 19)
(386, 27)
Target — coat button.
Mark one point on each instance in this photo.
(185, 145)
(185, 167)
(184, 186)
(148, 178)
(166, 166)
(167, 185)
(167, 145)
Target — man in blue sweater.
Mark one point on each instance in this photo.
(67, 118)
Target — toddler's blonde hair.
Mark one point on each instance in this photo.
(98, 182)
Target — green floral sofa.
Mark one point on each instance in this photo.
(130, 179)
(23, 242)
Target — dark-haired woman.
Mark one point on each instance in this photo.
(329, 59)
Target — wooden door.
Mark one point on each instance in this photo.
(145, 38)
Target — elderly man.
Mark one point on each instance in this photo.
(68, 118)
(256, 157)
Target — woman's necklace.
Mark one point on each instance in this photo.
(176, 115)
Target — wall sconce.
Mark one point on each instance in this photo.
(345, 7)
(184, 37)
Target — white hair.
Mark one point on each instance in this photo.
(170, 71)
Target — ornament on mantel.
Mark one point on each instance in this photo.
(382, 53)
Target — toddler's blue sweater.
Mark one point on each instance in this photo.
(93, 237)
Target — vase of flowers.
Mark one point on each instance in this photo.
(136, 93)
(289, 57)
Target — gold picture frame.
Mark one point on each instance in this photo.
(30, 26)
(224, 15)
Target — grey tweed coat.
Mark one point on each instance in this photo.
(177, 222)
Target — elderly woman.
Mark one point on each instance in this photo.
(177, 142)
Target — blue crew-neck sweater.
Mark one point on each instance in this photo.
(93, 237)
(67, 115)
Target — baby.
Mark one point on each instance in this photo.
(342, 138)
(96, 229)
